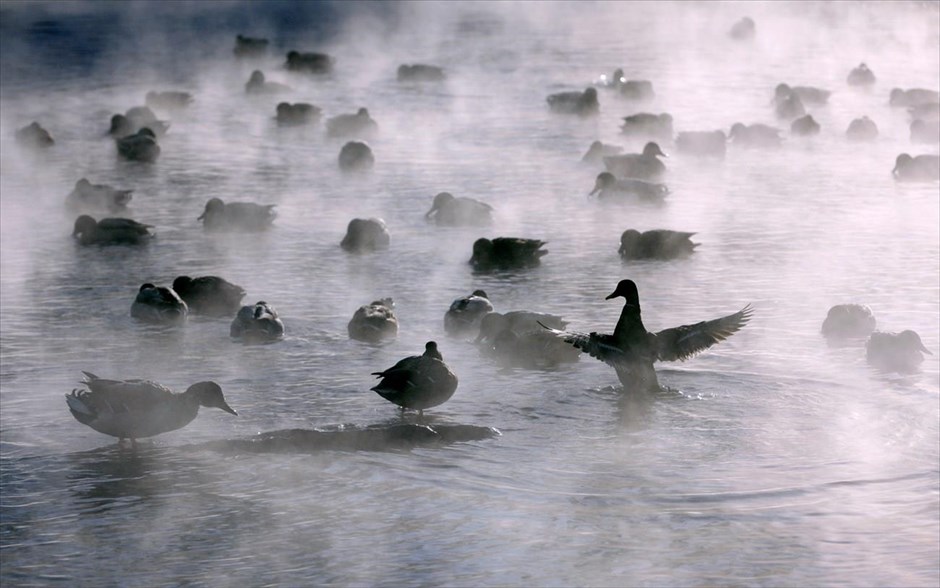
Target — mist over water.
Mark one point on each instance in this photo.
(772, 458)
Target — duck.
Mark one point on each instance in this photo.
(806, 94)
(169, 100)
(135, 409)
(636, 89)
(861, 76)
(920, 168)
(631, 350)
(609, 189)
(648, 125)
(315, 63)
(755, 135)
(656, 244)
(448, 210)
(356, 156)
(895, 352)
(141, 146)
(505, 253)
(524, 343)
(580, 103)
(597, 151)
(159, 305)
(110, 231)
(257, 323)
(847, 321)
(928, 111)
(862, 129)
(805, 126)
(374, 322)
(88, 197)
(702, 143)
(913, 97)
(257, 84)
(209, 295)
(135, 119)
(466, 313)
(640, 166)
(743, 30)
(242, 216)
(925, 131)
(365, 234)
(420, 72)
(418, 382)
(789, 107)
(33, 136)
(250, 46)
(297, 114)
(359, 125)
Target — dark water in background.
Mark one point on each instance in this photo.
(772, 460)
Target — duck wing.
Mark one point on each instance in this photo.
(598, 345)
(122, 396)
(681, 343)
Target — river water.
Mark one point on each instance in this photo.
(771, 459)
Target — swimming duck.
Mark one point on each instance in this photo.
(242, 216)
(702, 143)
(805, 126)
(96, 197)
(374, 322)
(580, 103)
(598, 151)
(609, 189)
(806, 94)
(356, 156)
(158, 305)
(743, 29)
(34, 136)
(448, 210)
(756, 135)
(636, 89)
(418, 382)
(257, 323)
(135, 119)
(861, 76)
(133, 409)
(420, 72)
(365, 234)
(110, 231)
(520, 321)
(170, 100)
(848, 321)
(300, 113)
(465, 314)
(641, 166)
(913, 97)
(862, 129)
(921, 168)
(504, 253)
(895, 352)
(656, 244)
(141, 146)
(928, 111)
(648, 125)
(925, 131)
(526, 345)
(789, 107)
(359, 125)
(257, 84)
(631, 350)
(315, 63)
(250, 47)
(209, 295)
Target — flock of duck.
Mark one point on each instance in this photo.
(132, 409)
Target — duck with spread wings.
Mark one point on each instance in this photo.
(632, 350)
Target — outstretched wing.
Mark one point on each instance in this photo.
(597, 345)
(681, 343)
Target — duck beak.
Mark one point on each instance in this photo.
(228, 408)
(613, 295)
(925, 350)
(428, 213)
(597, 188)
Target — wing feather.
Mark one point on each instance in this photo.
(681, 343)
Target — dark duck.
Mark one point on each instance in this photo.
(632, 350)
(418, 382)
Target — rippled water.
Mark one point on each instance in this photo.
(772, 459)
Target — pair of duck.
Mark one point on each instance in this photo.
(88, 197)
(890, 352)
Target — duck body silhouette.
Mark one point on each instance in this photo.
(610, 189)
(913, 97)
(632, 350)
(133, 409)
(755, 135)
(250, 46)
(358, 125)
(301, 113)
(895, 352)
(448, 210)
(356, 156)
(847, 321)
(506, 253)
(110, 231)
(33, 136)
(861, 76)
(648, 125)
(374, 322)
(579, 103)
(88, 197)
(420, 72)
(159, 305)
(141, 146)
(365, 234)
(920, 168)
(315, 63)
(236, 216)
(656, 244)
(209, 295)
(862, 129)
(418, 382)
(257, 84)
(257, 323)
(465, 314)
(640, 166)
(805, 126)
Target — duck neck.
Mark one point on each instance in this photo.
(630, 325)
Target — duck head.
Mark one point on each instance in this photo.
(652, 150)
(480, 293)
(604, 181)
(492, 325)
(84, 225)
(626, 289)
(209, 395)
(782, 91)
(430, 350)
(901, 162)
(440, 201)
(213, 206)
(911, 340)
(628, 240)
(182, 283)
(482, 248)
